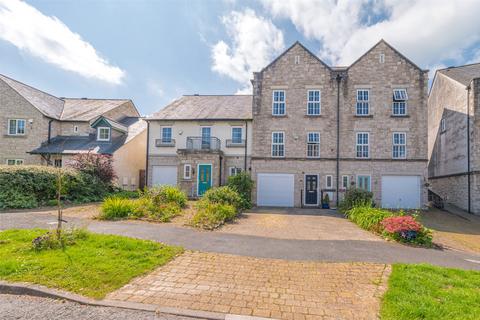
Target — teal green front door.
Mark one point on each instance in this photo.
(204, 178)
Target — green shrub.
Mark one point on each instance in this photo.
(210, 216)
(50, 240)
(116, 208)
(243, 184)
(127, 194)
(33, 186)
(165, 212)
(355, 197)
(142, 207)
(224, 195)
(166, 194)
(368, 218)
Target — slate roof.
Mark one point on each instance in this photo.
(68, 109)
(83, 144)
(207, 107)
(463, 74)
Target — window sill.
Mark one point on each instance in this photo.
(278, 157)
(399, 159)
(313, 115)
(363, 116)
(400, 116)
(15, 135)
(279, 115)
(356, 158)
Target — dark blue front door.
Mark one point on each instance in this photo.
(311, 189)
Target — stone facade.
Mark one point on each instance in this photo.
(448, 151)
(14, 106)
(381, 70)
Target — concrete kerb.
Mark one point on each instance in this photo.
(44, 292)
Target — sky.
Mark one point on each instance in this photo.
(155, 51)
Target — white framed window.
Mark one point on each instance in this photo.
(16, 127)
(443, 125)
(297, 59)
(364, 182)
(314, 103)
(187, 171)
(400, 97)
(103, 134)
(75, 129)
(362, 145)
(329, 181)
(14, 162)
(363, 102)
(233, 171)
(278, 105)
(278, 144)
(237, 135)
(399, 150)
(381, 58)
(166, 134)
(345, 182)
(313, 144)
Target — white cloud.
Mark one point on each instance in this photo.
(48, 38)
(255, 42)
(427, 31)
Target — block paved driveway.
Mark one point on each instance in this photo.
(278, 289)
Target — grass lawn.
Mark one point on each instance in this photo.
(429, 292)
(92, 267)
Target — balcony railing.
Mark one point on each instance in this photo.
(230, 143)
(202, 143)
(165, 143)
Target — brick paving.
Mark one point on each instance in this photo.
(280, 289)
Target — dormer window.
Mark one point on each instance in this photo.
(103, 134)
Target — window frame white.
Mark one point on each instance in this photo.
(75, 129)
(402, 97)
(185, 171)
(317, 143)
(279, 103)
(364, 103)
(369, 181)
(404, 145)
(313, 102)
(99, 132)
(381, 58)
(233, 171)
(241, 134)
(345, 186)
(327, 185)
(282, 133)
(362, 145)
(17, 162)
(17, 133)
(162, 136)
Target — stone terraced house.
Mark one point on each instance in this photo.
(197, 141)
(453, 136)
(309, 130)
(319, 129)
(41, 129)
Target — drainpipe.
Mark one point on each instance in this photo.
(146, 160)
(339, 79)
(468, 148)
(220, 172)
(246, 142)
(49, 130)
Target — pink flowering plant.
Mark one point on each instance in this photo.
(406, 228)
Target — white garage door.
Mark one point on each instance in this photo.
(162, 175)
(275, 189)
(401, 192)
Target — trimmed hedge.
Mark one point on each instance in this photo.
(33, 186)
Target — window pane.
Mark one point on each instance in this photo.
(12, 127)
(20, 126)
(166, 135)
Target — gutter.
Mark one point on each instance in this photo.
(339, 79)
(246, 143)
(468, 151)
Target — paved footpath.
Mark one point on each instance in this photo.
(261, 247)
(35, 308)
(290, 290)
